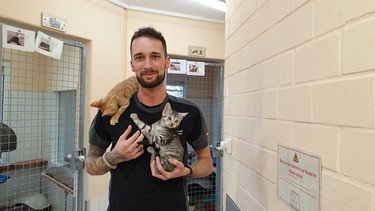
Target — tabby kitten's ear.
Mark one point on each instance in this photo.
(181, 115)
(167, 109)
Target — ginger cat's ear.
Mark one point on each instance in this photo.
(97, 104)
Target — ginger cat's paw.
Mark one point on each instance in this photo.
(113, 121)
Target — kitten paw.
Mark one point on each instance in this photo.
(133, 116)
(151, 150)
(113, 121)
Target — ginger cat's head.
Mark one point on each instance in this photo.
(108, 108)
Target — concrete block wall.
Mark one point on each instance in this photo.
(300, 73)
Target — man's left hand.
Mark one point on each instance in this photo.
(179, 171)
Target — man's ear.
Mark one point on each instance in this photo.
(131, 65)
(167, 62)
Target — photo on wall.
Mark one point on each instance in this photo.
(177, 66)
(195, 68)
(18, 39)
(48, 46)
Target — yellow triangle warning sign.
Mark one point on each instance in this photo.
(295, 159)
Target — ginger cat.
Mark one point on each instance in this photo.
(117, 99)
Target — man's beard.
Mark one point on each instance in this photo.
(159, 79)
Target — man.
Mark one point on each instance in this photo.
(135, 184)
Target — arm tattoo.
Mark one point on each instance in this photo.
(95, 151)
(94, 160)
(115, 156)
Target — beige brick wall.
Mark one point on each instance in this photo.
(300, 73)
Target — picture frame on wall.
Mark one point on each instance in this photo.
(177, 66)
(48, 46)
(195, 68)
(18, 39)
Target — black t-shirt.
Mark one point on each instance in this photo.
(132, 187)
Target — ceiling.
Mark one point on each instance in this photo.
(180, 8)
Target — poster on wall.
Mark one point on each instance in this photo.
(195, 68)
(299, 179)
(48, 46)
(18, 39)
(177, 66)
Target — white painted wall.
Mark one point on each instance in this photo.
(300, 73)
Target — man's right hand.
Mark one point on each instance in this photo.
(126, 148)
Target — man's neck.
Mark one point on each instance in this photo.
(152, 97)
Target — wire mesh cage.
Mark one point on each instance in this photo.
(41, 102)
(205, 90)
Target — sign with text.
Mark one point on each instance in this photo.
(299, 179)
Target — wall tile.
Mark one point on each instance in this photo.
(340, 194)
(318, 60)
(358, 155)
(320, 140)
(335, 13)
(295, 104)
(279, 71)
(359, 47)
(349, 102)
(296, 28)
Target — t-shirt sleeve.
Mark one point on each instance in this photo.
(199, 137)
(97, 134)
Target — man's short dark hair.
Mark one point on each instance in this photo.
(151, 33)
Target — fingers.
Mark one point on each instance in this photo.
(132, 140)
(175, 162)
(137, 137)
(152, 167)
(135, 148)
(159, 166)
(126, 133)
(139, 148)
(158, 171)
(128, 147)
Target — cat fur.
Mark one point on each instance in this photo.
(161, 138)
(117, 99)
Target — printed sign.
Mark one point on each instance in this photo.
(48, 46)
(299, 179)
(18, 39)
(177, 66)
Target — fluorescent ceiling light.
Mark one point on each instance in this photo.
(216, 4)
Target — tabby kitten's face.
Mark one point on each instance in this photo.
(171, 118)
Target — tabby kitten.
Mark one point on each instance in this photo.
(117, 99)
(162, 138)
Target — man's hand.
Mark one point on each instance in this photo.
(179, 171)
(126, 148)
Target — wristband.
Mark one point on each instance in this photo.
(191, 171)
(106, 162)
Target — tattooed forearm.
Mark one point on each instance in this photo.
(114, 157)
(94, 162)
